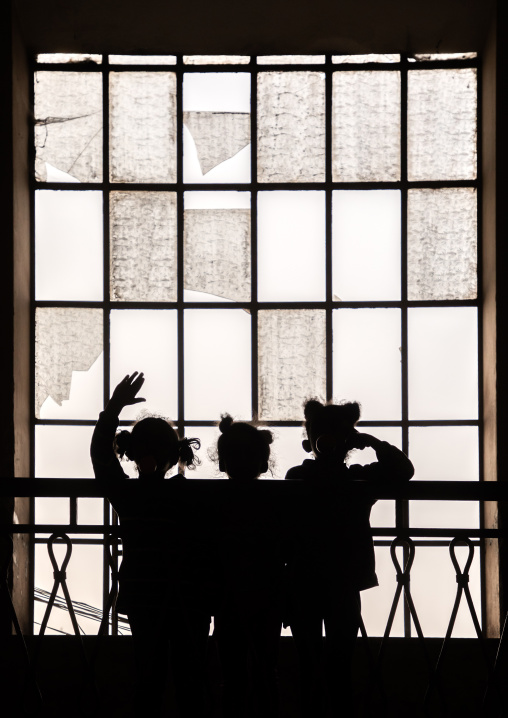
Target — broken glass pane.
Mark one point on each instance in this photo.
(143, 246)
(291, 59)
(447, 56)
(143, 127)
(292, 361)
(291, 127)
(216, 59)
(218, 136)
(142, 59)
(363, 59)
(67, 341)
(366, 126)
(441, 244)
(68, 125)
(442, 124)
(58, 57)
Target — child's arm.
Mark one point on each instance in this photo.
(392, 464)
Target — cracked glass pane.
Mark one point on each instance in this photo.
(291, 127)
(292, 361)
(216, 59)
(442, 124)
(218, 136)
(441, 244)
(291, 59)
(143, 127)
(366, 126)
(143, 246)
(142, 59)
(363, 59)
(68, 126)
(68, 344)
(57, 57)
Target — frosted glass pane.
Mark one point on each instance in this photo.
(216, 59)
(63, 452)
(366, 361)
(442, 231)
(143, 127)
(366, 126)
(444, 514)
(366, 245)
(362, 59)
(443, 363)
(68, 246)
(291, 246)
(442, 124)
(145, 340)
(90, 511)
(286, 450)
(218, 136)
(143, 246)
(57, 57)
(291, 60)
(142, 59)
(208, 469)
(291, 127)
(377, 602)
(291, 361)
(52, 510)
(447, 56)
(68, 125)
(217, 372)
(444, 453)
(68, 344)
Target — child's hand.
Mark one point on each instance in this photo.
(358, 440)
(125, 392)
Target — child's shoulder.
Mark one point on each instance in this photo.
(306, 470)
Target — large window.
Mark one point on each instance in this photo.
(250, 232)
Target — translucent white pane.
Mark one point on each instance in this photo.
(442, 239)
(142, 127)
(291, 127)
(434, 587)
(68, 125)
(377, 602)
(63, 452)
(442, 124)
(208, 469)
(286, 450)
(90, 510)
(366, 361)
(447, 56)
(444, 514)
(216, 59)
(143, 229)
(68, 246)
(291, 246)
(366, 126)
(291, 59)
(146, 341)
(362, 59)
(444, 453)
(366, 245)
(142, 59)
(217, 363)
(68, 365)
(443, 363)
(291, 361)
(57, 57)
(52, 510)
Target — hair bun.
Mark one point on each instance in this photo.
(311, 408)
(186, 448)
(266, 435)
(226, 422)
(352, 410)
(122, 443)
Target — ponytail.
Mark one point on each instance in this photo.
(186, 448)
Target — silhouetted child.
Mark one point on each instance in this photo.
(154, 569)
(335, 559)
(248, 623)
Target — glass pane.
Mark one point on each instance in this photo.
(68, 363)
(142, 59)
(291, 127)
(217, 363)
(442, 230)
(443, 363)
(68, 246)
(216, 59)
(57, 57)
(208, 469)
(447, 56)
(377, 602)
(68, 126)
(366, 126)
(291, 59)
(362, 59)
(142, 127)
(442, 124)
(146, 341)
(52, 510)
(366, 245)
(291, 355)
(90, 511)
(291, 246)
(143, 246)
(286, 450)
(63, 452)
(366, 361)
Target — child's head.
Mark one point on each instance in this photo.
(155, 447)
(243, 449)
(329, 427)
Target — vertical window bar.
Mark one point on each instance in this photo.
(254, 234)
(180, 247)
(31, 153)
(328, 237)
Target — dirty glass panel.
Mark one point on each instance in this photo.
(291, 246)
(366, 245)
(63, 452)
(446, 56)
(441, 252)
(442, 124)
(216, 59)
(366, 126)
(363, 59)
(291, 127)
(217, 365)
(443, 363)
(142, 59)
(68, 368)
(366, 361)
(70, 57)
(68, 246)
(376, 603)
(68, 126)
(145, 340)
(291, 59)
(143, 246)
(291, 361)
(142, 127)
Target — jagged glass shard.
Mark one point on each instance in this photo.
(292, 361)
(363, 59)
(366, 126)
(217, 252)
(142, 59)
(291, 127)
(143, 246)
(218, 135)
(291, 59)
(68, 124)
(442, 124)
(66, 340)
(143, 127)
(446, 56)
(60, 57)
(216, 59)
(441, 244)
